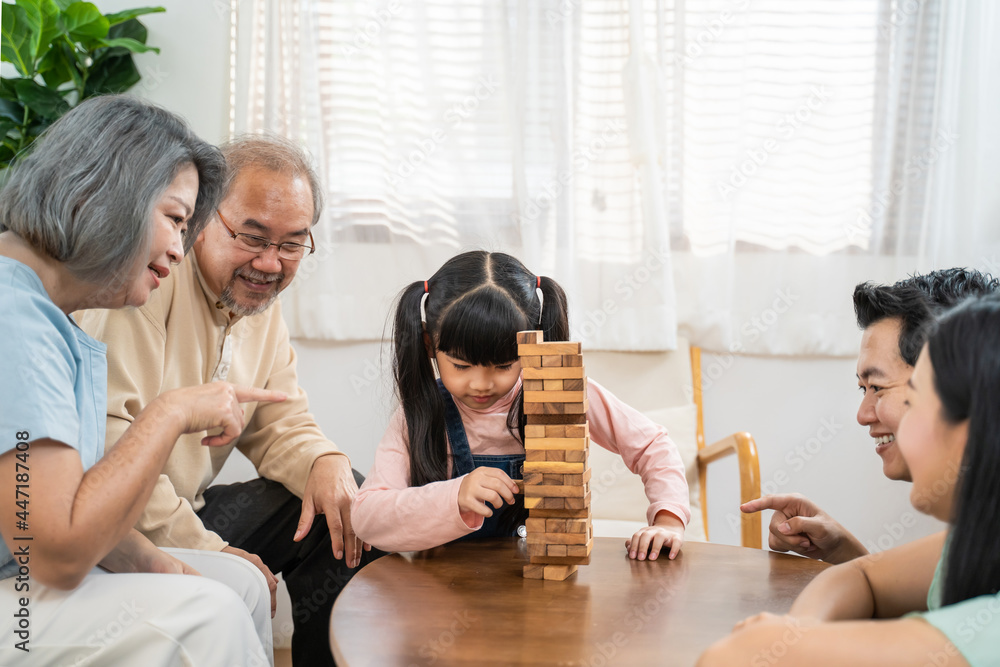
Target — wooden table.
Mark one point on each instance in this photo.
(467, 604)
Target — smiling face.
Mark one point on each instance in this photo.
(477, 387)
(171, 214)
(932, 446)
(264, 203)
(882, 376)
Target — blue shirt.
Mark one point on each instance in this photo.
(973, 625)
(53, 382)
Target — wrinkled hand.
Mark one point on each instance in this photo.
(799, 525)
(213, 405)
(485, 485)
(272, 581)
(330, 491)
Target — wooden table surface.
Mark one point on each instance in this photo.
(467, 604)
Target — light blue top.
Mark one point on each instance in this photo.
(53, 382)
(973, 625)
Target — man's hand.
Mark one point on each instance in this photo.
(799, 525)
(137, 554)
(272, 581)
(330, 490)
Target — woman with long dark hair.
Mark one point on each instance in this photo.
(941, 591)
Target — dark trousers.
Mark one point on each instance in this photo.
(260, 516)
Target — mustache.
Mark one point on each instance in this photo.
(259, 276)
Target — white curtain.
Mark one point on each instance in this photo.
(731, 168)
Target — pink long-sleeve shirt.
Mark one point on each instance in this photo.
(390, 514)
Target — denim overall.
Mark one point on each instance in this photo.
(505, 522)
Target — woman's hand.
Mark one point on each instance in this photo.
(211, 406)
(667, 531)
(485, 485)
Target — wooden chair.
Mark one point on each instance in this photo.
(666, 387)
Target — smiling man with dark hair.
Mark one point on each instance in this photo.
(893, 319)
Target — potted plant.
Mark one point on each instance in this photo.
(63, 52)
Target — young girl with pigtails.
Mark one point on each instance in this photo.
(444, 468)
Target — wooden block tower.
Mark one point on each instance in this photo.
(556, 466)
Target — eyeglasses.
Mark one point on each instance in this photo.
(258, 244)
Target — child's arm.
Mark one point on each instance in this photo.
(648, 451)
(390, 514)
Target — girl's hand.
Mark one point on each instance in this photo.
(213, 405)
(652, 540)
(485, 485)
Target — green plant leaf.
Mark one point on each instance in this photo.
(132, 28)
(11, 110)
(129, 44)
(64, 4)
(83, 21)
(41, 100)
(7, 91)
(43, 20)
(112, 73)
(128, 14)
(58, 65)
(15, 43)
(5, 127)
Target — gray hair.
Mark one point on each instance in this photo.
(273, 153)
(85, 193)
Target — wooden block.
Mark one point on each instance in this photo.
(535, 478)
(556, 560)
(542, 503)
(550, 361)
(579, 549)
(558, 373)
(556, 419)
(555, 454)
(536, 550)
(553, 396)
(555, 479)
(534, 571)
(535, 386)
(574, 503)
(534, 408)
(555, 550)
(576, 431)
(556, 491)
(531, 454)
(557, 467)
(558, 538)
(549, 349)
(573, 385)
(553, 430)
(538, 431)
(520, 486)
(536, 525)
(530, 337)
(581, 526)
(555, 443)
(558, 572)
(572, 360)
(554, 525)
(573, 480)
(531, 362)
(560, 513)
(548, 385)
(576, 455)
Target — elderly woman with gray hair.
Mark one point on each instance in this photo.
(94, 217)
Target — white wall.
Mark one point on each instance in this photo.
(801, 411)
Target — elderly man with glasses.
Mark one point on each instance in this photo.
(215, 317)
